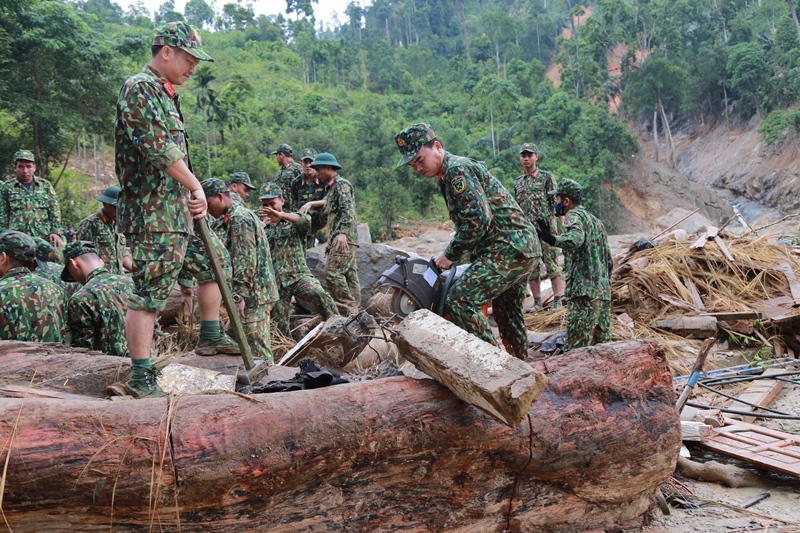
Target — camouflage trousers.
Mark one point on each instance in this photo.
(549, 260)
(588, 322)
(257, 328)
(310, 292)
(341, 276)
(160, 259)
(500, 279)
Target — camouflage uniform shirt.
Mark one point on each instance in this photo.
(102, 232)
(340, 210)
(530, 191)
(587, 256)
(149, 137)
(253, 277)
(31, 308)
(285, 178)
(287, 240)
(310, 191)
(487, 219)
(96, 313)
(33, 211)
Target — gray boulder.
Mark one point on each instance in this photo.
(372, 258)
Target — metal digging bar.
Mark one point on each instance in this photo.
(254, 370)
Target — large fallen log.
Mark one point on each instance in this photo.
(383, 455)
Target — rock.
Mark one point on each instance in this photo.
(363, 234)
(694, 224)
(372, 259)
(176, 378)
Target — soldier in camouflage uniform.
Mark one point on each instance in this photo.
(491, 231)
(341, 271)
(253, 280)
(588, 263)
(28, 203)
(286, 233)
(531, 191)
(310, 192)
(289, 172)
(159, 197)
(96, 312)
(239, 185)
(49, 263)
(101, 230)
(31, 307)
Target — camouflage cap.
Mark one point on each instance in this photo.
(46, 251)
(109, 195)
(271, 190)
(71, 251)
(570, 189)
(283, 149)
(411, 139)
(243, 178)
(24, 155)
(529, 147)
(308, 153)
(214, 186)
(18, 245)
(181, 35)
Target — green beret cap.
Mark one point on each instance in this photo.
(271, 190)
(308, 153)
(411, 139)
(71, 251)
(570, 189)
(24, 155)
(283, 149)
(243, 178)
(529, 147)
(18, 245)
(213, 186)
(181, 35)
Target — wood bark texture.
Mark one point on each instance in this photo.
(396, 454)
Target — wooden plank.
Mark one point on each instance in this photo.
(694, 431)
(700, 242)
(692, 288)
(761, 392)
(677, 302)
(763, 447)
(737, 315)
(794, 286)
(16, 391)
(724, 248)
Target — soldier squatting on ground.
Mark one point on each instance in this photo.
(101, 230)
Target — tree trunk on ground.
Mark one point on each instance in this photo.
(381, 455)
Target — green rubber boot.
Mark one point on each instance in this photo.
(143, 384)
(224, 344)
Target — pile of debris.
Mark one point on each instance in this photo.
(742, 290)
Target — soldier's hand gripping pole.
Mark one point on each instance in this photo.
(254, 370)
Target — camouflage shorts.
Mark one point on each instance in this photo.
(160, 259)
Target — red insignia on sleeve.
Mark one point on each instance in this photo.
(169, 88)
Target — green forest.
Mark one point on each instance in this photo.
(474, 69)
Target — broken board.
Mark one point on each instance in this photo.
(762, 392)
(760, 446)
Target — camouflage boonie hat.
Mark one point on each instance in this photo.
(18, 245)
(213, 186)
(308, 153)
(283, 149)
(24, 155)
(184, 36)
(570, 189)
(109, 195)
(71, 251)
(243, 178)
(411, 139)
(271, 190)
(46, 251)
(529, 147)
